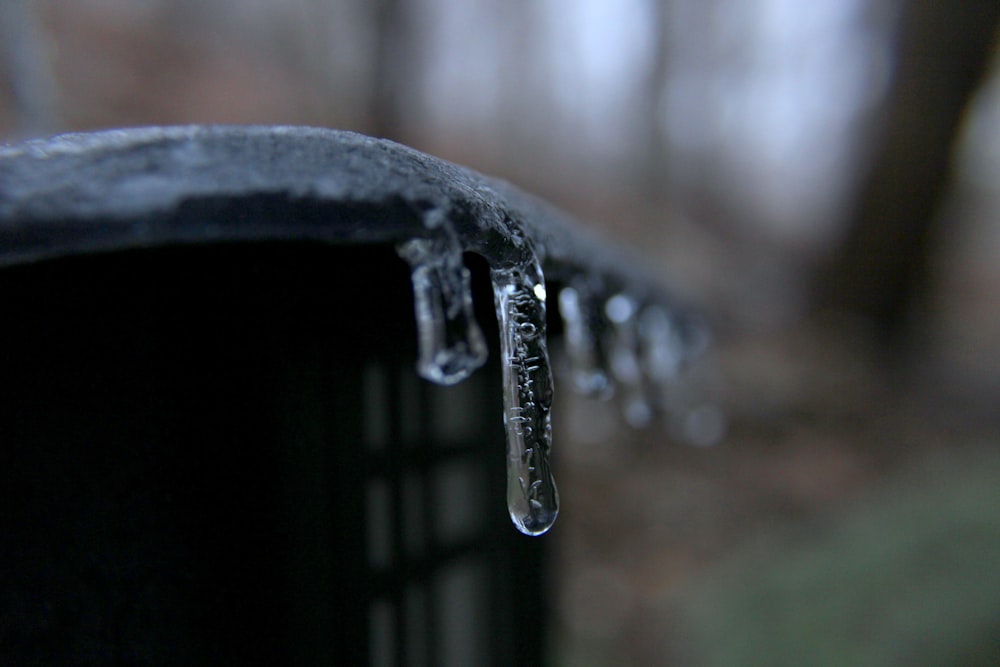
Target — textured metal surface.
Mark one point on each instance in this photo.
(144, 187)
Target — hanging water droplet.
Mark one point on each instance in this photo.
(583, 324)
(532, 497)
(451, 344)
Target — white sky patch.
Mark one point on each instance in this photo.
(762, 94)
(600, 52)
(768, 95)
(464, 47)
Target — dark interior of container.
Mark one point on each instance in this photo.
(221, 454)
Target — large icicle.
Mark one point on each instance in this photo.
(532, 497)
(451, 345)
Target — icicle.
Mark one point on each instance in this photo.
(684, 388)
(583, 322)
(532, 498)
(661, 344)
(451, 345)
(626, 366)
(662, 352)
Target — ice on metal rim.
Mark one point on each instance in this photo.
(451, 346)
(617, 341)
(278, 184)
(581, 315)
(450, 343)
(626, 363)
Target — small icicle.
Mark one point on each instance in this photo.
(626, 365)
(661, 344)
(702, 420)
(451, 344)
(532, 498)
(662, 351)
(582, 319)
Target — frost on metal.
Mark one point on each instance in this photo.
(146, 187)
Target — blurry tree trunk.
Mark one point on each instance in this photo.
(392, 70)
(881, 271)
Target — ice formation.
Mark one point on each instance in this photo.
(580, 307)
(153, 186)
(618, 343)
(450, 344)
(532, 498)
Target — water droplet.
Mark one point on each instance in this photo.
(532, 497)
(451, 344)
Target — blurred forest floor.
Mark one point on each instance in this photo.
(846, 519)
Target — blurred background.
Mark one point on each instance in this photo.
(821, 179)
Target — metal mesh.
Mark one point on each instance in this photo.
(224, 454)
